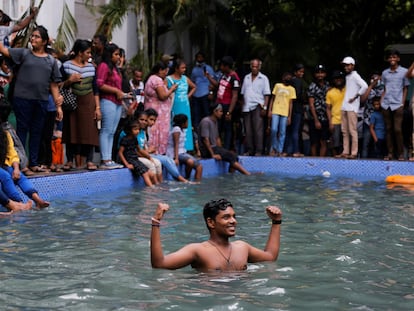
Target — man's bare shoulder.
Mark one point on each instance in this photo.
(240, 243)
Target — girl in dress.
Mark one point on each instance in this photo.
(185, 90)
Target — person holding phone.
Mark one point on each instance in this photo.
(201, 75)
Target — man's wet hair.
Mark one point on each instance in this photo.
(213, 208)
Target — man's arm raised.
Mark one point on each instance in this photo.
(271, 250)
(181, 258)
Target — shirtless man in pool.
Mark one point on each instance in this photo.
(217, 253)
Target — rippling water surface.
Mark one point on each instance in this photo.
(346, 245)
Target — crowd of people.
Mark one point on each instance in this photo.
(173, 116)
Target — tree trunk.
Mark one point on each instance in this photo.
(142, 33)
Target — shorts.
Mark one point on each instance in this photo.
(154, 166)
(226, 155)
(316, 135)
(337, 136)
(184, 157)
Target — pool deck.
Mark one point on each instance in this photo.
(82, 183)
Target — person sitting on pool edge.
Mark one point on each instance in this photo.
(210, 142)
(217, 253)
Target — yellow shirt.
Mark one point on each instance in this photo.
(11, 155)
(283, 99)
(334, 98)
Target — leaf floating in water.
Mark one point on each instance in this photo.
(267, 189)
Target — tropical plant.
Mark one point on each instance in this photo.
(66, 31)
(113, 15)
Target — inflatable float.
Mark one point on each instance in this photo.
(400, 179)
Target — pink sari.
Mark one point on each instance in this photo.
(160, 130)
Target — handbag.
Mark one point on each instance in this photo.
(70, 102)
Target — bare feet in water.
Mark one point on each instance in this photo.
(19, 206)
(40, 203)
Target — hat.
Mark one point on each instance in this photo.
(337, 74)
(166, 58)
(319, 68)
(348, 60)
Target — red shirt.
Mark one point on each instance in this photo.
(103, 76)
(226, 86)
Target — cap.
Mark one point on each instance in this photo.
(319, 68)
(348, 60)
(166, 58)
(337, 74)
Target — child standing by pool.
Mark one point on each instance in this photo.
(176, 147)
(128, 152)
(377, 128)
(280, 112)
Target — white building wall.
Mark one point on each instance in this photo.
(50, 16)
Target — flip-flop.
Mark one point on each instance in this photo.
(91, 167)
(38, 169)
(68, 166)
(27, 172)
(56, 169)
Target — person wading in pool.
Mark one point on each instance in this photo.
(217, 253)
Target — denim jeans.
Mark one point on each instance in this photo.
(9, 186)
(168, 164)
(30, 119)
(366, 140)
(4, 200)
(278, 132)
(292, 135)
(111, 114)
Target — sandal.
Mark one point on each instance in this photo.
(388, 157)
(27, 172)
(55, 169)
(68, 166)
(91, 167)
(38, 169)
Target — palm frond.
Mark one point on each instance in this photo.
(113, 15)
(67, 30)
(22, 37)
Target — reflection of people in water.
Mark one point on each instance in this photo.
(217, 253)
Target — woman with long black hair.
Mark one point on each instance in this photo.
(38, 75)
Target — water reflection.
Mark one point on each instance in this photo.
(346, 245)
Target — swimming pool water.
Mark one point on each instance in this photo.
(346, 245)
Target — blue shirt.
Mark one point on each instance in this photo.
(141, 138)
(395, 82)
(379, 125)
(200, 80)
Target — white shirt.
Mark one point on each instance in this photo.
(254, 91)
(355, 85)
